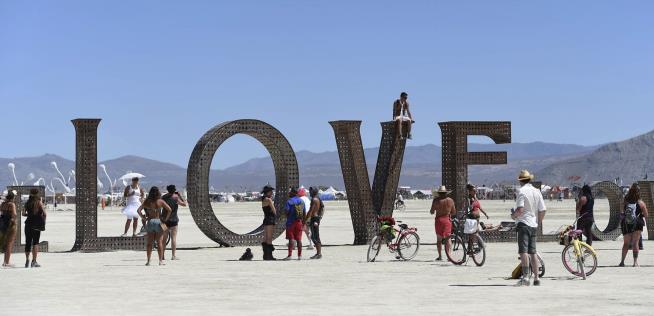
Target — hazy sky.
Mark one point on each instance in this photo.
(161, 73)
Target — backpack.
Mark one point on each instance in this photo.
(630, 213)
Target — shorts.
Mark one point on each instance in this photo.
(526, 239)
(639, 225)
(269, 220)
(171, 224)
(153, 226)
(443, 226)
(294, 231)
(315, 230)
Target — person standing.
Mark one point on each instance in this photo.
(316, 213)
(443, 207)
(174, 200)
(633, 222)
(269, 219)
(154, 226)
(585, 206)
(133, 196)
(402, 113)
(302, 193)
(34, 225)
(295, 219)
(475, 206)
(529, 213)
(8, 228)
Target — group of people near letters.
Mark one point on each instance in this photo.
(35, 217)
(157, 212)
(529, 214)
(303, 216)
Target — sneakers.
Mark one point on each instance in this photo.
(287, 258)
(310, 247)
(523, 282)
(299, 258)
(125, 235)
(536, 282)
(316, 256)
(35, 264)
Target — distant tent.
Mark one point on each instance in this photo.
(330, 194)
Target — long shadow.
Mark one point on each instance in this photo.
(626, 267)
(480, 285)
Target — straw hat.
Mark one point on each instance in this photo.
(442, 189)
(525, 175)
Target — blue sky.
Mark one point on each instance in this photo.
(167, 71)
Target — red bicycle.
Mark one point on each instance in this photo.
(403, 241)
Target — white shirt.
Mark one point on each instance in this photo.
(307, 203)
(531, 200)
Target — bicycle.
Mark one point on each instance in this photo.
(541, 267)
(399, 206)
(461, 250)
(405, 240)
(578, 257)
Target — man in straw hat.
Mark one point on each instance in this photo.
(444, 208)
(530, 210)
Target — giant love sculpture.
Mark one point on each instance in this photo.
(366, 202)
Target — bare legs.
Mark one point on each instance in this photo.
(631, 240)
(268, 233)
(134, 226)
(172, 231)
(439, 246)
(8, 249)
(524, 261)
(148, 247)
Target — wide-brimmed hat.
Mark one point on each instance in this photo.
(525, 175)
(267, 189)
(442, 190)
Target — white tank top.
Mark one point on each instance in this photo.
(136, 198)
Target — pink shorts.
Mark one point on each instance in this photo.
(294, 232)
(443, 226)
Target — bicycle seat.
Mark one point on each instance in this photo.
(576, 232)
(404, 226)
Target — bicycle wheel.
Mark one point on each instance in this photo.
(570, 262)
(408, 246)
(457, 253)
(373, 249)
(541, 266)
(589, 261)
(477, 251)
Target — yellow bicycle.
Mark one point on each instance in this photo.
(578, 257)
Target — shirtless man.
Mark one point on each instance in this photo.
(401, 114)
(444, 209)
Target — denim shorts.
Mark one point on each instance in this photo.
(526, 239)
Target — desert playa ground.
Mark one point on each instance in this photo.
(209, 281)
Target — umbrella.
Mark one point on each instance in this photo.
(131, 175)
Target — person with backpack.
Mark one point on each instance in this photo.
(633, 221)
(295, 219)
(174, 200)
(34, 225)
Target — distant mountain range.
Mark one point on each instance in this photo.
(552, 163)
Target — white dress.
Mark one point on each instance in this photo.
(133, 203)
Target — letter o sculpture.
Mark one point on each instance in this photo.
(199, 166)
(615, 197)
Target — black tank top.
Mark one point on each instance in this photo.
(168, 198)
(267, 211)
(588, 207)
(321, 211)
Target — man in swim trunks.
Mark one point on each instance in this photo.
(443, 207)
(401, 114)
